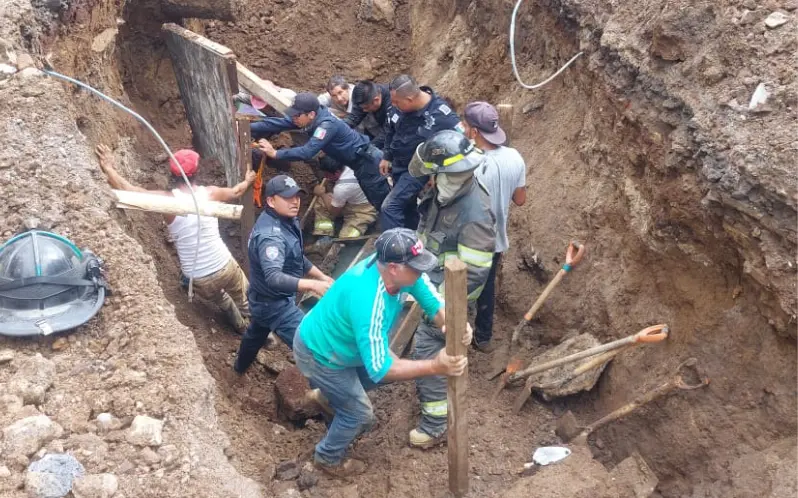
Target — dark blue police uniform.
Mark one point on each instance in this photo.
(332, 136)
(276, 263)
(380, 115)
(406, 131)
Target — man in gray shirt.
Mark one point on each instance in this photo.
(504, 175)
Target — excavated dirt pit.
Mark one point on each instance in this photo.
(614, 149)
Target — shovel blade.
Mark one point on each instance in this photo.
(499, 361)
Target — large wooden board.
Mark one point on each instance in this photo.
(206, 76)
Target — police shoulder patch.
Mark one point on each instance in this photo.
(394, 118)
(445, 109)
(272, 252)
(320, 133)
(459, 127)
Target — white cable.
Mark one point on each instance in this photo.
(512, 55)
(166, 148)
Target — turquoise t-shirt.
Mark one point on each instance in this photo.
(349, 326)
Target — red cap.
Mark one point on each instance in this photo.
(189, 161)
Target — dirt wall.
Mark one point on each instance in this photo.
(686, 203)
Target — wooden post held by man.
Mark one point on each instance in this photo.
(245, 164)
(456, 323)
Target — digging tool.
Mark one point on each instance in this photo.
(309, 210)
(655, 333)
(568, 429)
(514, 363)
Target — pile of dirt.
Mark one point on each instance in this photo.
(645, 151)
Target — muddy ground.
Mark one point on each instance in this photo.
(642, 150)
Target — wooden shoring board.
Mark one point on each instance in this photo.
(207, 77)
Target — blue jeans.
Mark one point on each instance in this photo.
(345, 389)
(400, 208)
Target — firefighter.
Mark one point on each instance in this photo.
(456, 221)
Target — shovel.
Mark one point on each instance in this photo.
(655, 333)
(514, 363)
(569, 430)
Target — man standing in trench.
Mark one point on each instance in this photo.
(342, 345)
(456, 220)
(416, 114)
(330, 135)
(504, 175)
(278, 269)
(370, 105)
(217, 276)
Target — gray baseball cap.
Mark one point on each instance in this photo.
(485, 118)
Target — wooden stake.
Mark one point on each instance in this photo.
(407, 328)
(456, 323)
(178, 207)
(309, 210)
(506, 119)
(248, 211)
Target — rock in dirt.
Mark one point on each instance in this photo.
(104, 39)
(307, 477)
(26, 436)
(107, 422)
(52, 476)
(4, 472)
(776, 19)
(145, 431)
(379, 11)
(6, 355)
(33, 379)
(6, 71)
(286, 471)
(25, 61)
(291, 389)
(95, 486)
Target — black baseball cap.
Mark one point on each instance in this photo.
(303, 103)
(402, 245)
(282, 185)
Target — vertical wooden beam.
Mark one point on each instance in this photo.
(456, 323)
(506, 120)
(245, 164)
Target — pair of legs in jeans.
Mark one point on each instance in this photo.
(345, 390)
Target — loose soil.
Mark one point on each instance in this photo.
(686, 204)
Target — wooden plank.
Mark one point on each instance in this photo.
(506, 120)
(258, 87)
(407, 328)
(203, 70)
(247, 202)
(223, 10)
(165, 204)
(456, 323)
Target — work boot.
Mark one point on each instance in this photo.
(348, 468)
(486, 347)
(422, 440)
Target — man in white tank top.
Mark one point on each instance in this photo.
(217, 276)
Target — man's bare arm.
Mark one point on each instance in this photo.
(117, 181)
(227, 194)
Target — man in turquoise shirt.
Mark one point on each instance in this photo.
(342, 345)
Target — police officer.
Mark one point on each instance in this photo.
(371, 100)
(456, 220)
(329, 134)
(417, 113)
(278, 269)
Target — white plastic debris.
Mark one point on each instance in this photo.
(547, 455)
(759, 97)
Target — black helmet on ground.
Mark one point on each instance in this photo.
(447, 151)
(47, 285)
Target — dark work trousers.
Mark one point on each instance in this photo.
(486, 303)
(400, 209)
(281, 316)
